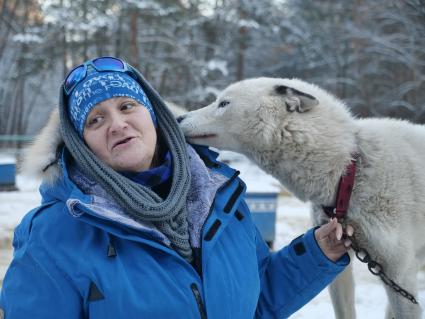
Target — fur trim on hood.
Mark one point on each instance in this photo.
(40, 157)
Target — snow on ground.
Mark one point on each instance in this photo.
(13, 206)
(292, 220)
(255, 179)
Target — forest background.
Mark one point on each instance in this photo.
(370, 53)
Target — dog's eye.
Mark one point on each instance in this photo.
(223, 103)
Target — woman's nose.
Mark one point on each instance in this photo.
(118, 124)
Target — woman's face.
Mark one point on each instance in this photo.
(121, 133)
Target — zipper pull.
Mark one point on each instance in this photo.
(111, 248)
(199, 301)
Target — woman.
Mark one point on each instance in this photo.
(139, 224)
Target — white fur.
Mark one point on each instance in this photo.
(307, 143)
(177, 110)
(42, 152)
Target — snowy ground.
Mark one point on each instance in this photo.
(292, 220)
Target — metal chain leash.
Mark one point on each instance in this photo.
(376, 269)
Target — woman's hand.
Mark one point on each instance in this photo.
(330, 239)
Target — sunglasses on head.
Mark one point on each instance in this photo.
(105, 63)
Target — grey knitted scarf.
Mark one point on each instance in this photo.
(143, 204)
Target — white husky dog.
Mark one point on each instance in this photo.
(305, 137)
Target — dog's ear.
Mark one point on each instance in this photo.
(296, 100)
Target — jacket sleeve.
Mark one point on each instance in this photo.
(294, 275)
(35, 288)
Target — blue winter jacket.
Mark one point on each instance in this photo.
(73, 261)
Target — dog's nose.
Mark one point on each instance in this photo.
(180, 118)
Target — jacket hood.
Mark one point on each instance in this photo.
(46, 160)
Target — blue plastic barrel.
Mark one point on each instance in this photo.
(7, 175)
(263, 209)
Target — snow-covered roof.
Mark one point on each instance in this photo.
(5, 159)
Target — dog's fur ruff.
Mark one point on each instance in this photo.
(305, 137)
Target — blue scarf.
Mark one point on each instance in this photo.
(154, 176)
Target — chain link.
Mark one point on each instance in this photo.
(376, 269)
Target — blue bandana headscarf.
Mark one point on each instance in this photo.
(100, 86)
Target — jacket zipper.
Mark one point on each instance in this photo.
(199, 302)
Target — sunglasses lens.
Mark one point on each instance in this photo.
(73, 78)
(108, 64)
(100, 64)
